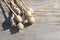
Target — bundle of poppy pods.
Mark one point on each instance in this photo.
(21, 13)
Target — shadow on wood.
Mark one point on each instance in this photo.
(6, 24)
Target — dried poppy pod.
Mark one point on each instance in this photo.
(26, 7)
(12, 4)
(31, 20)
(20, 26)
(15, 8)
(31, 10)
(28, 13)
(18, 18)
(25, 21)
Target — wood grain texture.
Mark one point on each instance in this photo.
(47, 26)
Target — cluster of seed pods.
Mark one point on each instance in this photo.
(21, 13)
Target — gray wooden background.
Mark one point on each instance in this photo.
(47, 26)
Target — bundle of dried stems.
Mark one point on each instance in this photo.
(21, 13)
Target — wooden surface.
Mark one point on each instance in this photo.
(47, 26)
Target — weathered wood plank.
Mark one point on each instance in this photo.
(47, 27)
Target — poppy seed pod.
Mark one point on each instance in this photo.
(31, 10)
(28, 13)
(17, 10)
(20, 26)
(12, 4)
(25, 21)
(31, 20)
(26, 7)
(18, 18)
